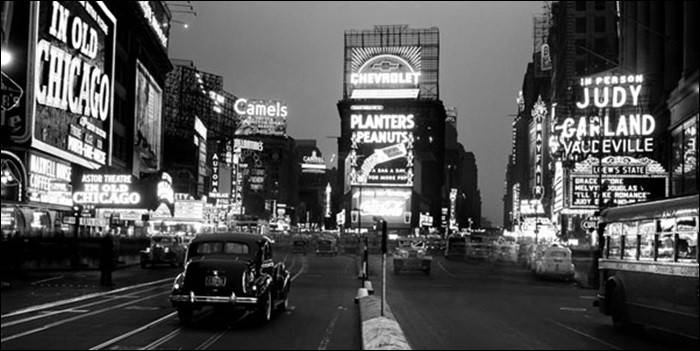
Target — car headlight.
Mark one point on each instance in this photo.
(148, 249)
(179, 281)
(166, 250)
(247, 280)
(421, 253)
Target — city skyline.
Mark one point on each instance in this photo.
(484, 98)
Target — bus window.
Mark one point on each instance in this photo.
(667, 225)
(687, 238)
(665, 247)
(630, 247)
(628, 228)
(612, 231)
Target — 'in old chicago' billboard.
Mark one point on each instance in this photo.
(73, 62)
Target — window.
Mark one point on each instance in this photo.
(665, 247)
(599, 24)
(580, 25)
(580, 45)
(687, 228)
(630, 247)
(236, 248)
(647, 230)
(684, 157)
(612, 231)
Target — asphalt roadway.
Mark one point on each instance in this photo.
(483, 305)
(136, 313)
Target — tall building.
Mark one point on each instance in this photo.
(198, 117)
(391, 149)
(312, 184)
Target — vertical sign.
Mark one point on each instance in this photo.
(538, 113)
(73, 61)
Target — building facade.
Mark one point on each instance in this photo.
(52, 132)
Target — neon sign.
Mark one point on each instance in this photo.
(259, 108)
(538, 112)
(625, 133)
(107, 189)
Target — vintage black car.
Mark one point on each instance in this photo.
(327, 247)
(168, 249)
(231, 271)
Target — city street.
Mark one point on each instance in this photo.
(143, 318)
(481, 305)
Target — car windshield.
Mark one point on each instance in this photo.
(232, 248)
(558, 254)
(163, 240)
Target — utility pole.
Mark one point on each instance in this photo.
(384, 250)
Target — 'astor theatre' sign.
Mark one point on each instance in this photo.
(74, 70)
(107, 190)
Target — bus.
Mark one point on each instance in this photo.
(649, 265)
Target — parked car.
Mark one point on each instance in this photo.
(231, 271)
(536, 252)
(163, 249)
(456, 247)
(327, 247)
(555, 262)
(299, 246)
(411, 255)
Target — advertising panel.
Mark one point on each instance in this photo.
(14, 121)
(14, 177)
(190, 209)
(73, 61)
(49, 181)
(147, 131)
(385, 72)
(106, 190)
(539, 111)
(381, 148)
(625, 180)
(261, 117)
(393, 205)
(612, 120)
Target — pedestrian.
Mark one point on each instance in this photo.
(106, 260)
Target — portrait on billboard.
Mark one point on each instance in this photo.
(73, 59)
(147, 131)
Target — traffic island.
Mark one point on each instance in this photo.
(379, 332)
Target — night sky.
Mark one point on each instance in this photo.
(294, 51)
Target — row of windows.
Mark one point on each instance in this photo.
(598, 5)
(665, 239)
(599, 25)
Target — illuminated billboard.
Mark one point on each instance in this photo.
(71, 100)
(628, 180)
(391, 204)
(264, 117)
(385, 72)
(612, 120)
(381, 148)
(147, 125)
(106, 190)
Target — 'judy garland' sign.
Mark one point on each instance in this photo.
(612, 123)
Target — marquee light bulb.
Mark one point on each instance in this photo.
(6, 58)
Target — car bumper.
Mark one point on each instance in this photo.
(192, 298)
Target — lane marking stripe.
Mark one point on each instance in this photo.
(331, 327)
(68, 320)
(611, 346)
(51, 313)
(81, 298)
(45, 280)
(135, 331)
(162, 340)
